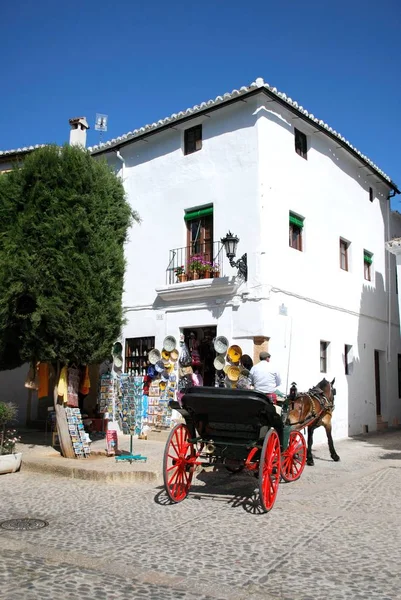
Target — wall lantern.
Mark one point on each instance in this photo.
(230, 243)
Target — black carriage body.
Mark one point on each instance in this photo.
(231, 420)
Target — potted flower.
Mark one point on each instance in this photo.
(216, 270)
(206, 269)
(10, 461)
(195, 266)
(180, 273)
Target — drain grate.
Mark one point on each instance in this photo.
(24, 524)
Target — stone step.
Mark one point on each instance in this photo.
(382, 425)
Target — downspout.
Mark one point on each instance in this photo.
(390, 195)
(122, 165)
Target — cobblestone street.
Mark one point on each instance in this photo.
(333, 535)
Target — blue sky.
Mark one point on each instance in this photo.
(140, 61)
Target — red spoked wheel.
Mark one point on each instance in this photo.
(269, 470)
(178, 463)
(294, 458)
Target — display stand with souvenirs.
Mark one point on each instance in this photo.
(130, 406)
(79, 438)
(108, 395)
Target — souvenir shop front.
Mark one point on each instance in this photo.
(137, 398)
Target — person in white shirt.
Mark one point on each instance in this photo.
(265, 377)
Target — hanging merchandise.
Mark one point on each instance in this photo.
(185, 359)
(31, 381)
(72, 387)
(43, 375)
(85, 384)
(62, 389)
(79, 438)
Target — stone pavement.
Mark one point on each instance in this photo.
(333, 535)
(39, 456)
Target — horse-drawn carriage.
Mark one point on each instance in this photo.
(236, 429)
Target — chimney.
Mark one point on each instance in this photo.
(79, 126)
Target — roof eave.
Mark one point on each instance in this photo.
(242, 98)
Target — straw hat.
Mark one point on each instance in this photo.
(225, 369)
(169, 343)
(234, 354)
(174, 355)
(233, 373)
(154, 356)
(219, 362)
(221, 344)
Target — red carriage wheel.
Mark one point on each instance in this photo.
(294, 458)
(269, 470)
(178, 463)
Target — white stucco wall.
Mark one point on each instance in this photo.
(249, 170)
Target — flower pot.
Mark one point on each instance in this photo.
(206, 274)
(195, 275)
(182, 277)
(216, 274)
(10, 463)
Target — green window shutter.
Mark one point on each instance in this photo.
(298, 221)
(197, 214)
(367, 258)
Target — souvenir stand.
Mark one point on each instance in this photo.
(130, 407)
(108, 395)
(79, 438)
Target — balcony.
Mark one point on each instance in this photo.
(197, 273)
(191, 263)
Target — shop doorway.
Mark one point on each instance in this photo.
(199, 341)
(377, 383)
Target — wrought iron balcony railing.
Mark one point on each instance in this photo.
(200, 261)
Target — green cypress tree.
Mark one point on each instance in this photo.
(64, 219)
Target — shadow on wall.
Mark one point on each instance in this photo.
(367, 377)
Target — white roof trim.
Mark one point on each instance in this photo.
(21, 150)
(259, 83)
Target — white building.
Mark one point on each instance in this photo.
(324, 303)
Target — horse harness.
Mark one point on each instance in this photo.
(326, 406)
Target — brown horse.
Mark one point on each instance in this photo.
(311, 410)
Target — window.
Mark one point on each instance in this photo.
(200, 233)
(371, 195)
(347, 359)
(367, 265)
(193, 139)
(344, 255)
(136, 354)
(296, 226)
(301, 146)
(323, 356)
(399, 375)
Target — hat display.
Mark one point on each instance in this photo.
(233, 373)
(169, 343)
(164, 376)
(159, 366)
(174, 355)
(221, 344)
(151, 371)
(118, 362)
(219, 362)
(234, 354)
(165, 354)
(154, 356)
